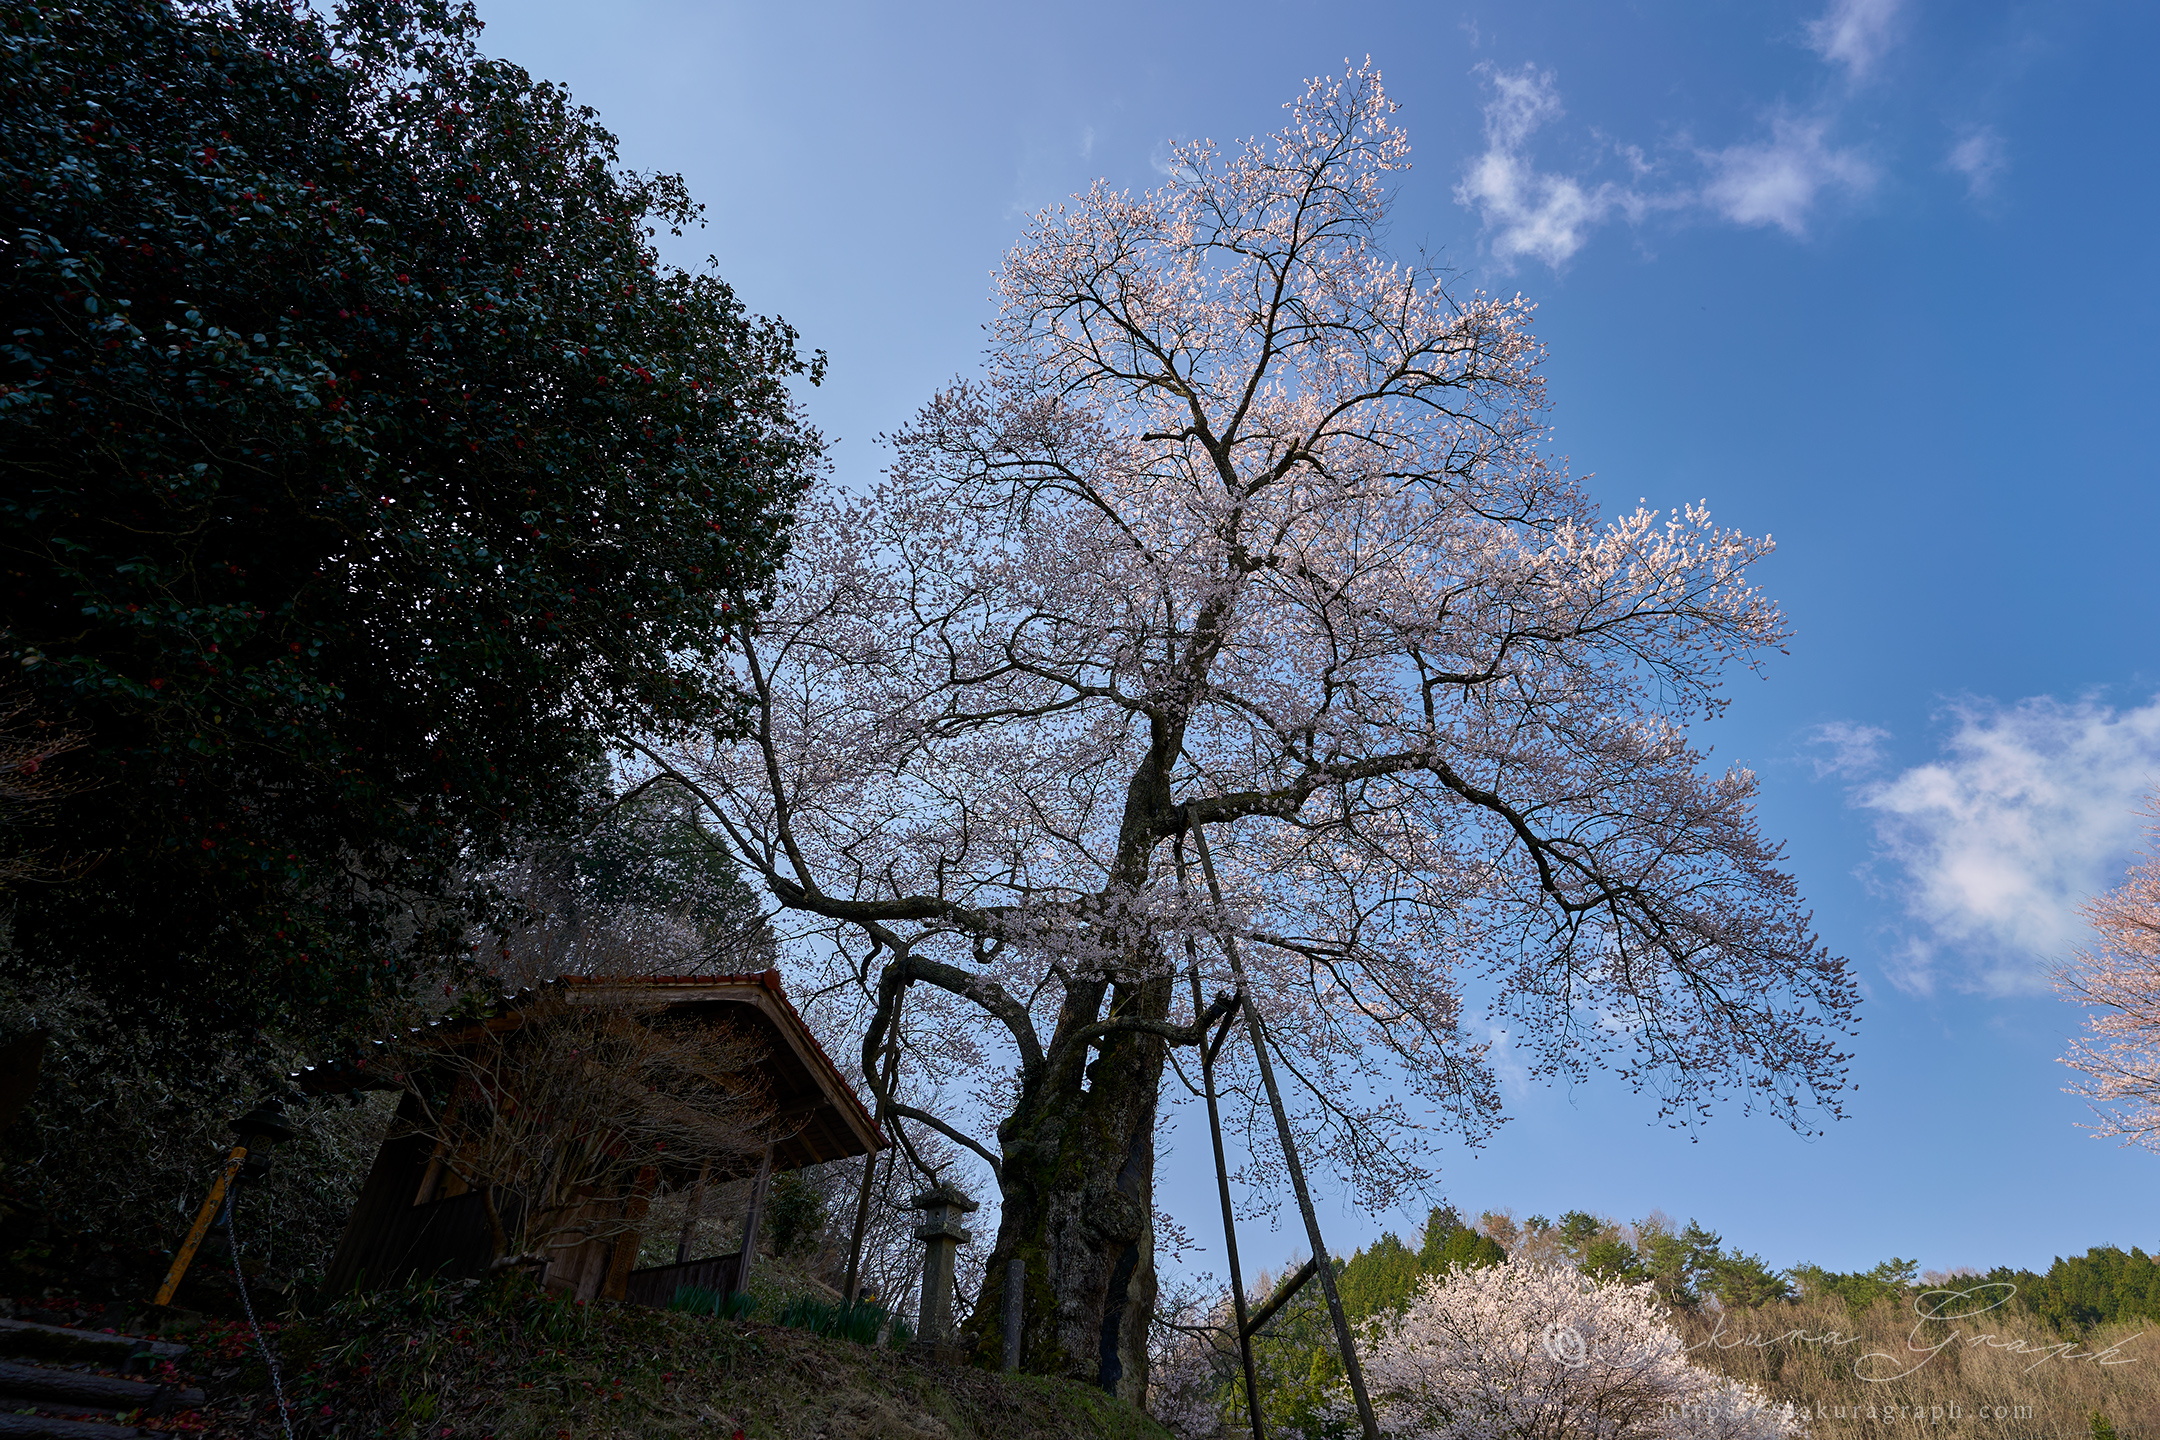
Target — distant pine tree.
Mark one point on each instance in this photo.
(2102, 1285)
(1383, 1276)
(1448, 1244)
(1858, 1289)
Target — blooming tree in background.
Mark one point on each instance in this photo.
(2119, 979)
(1527, 1350)
(1193, 1365)
(1248, 534)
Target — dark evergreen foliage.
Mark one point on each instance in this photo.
(796, 1214)
(1859, 1289)
(2104, 1284)
(361, 471)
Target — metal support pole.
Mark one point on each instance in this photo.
(1351, 1369)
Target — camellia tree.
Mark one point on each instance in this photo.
(2118, 981)
(363, 471)
(1233, 644)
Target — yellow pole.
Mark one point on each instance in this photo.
(203, 1217)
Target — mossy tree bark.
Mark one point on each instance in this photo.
(1078, 1182)
(1077, 1168)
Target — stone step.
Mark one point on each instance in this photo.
(24, 1337)
(47, 1386)
(52, 1427)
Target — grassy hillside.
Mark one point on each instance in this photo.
(1885, 1371)
(463, 1362)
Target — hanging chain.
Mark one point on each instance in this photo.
(277, 1382)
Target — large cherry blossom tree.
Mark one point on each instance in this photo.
(1249, 535)
(2118, 980)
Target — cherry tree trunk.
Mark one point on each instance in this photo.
(1079, 1192)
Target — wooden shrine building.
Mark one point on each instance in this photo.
(407, 1222)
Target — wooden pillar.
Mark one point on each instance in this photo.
(752, 1220)
(623, 1258)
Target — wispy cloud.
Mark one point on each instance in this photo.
(1778, 181)
(1991, 847)
(1980, 156)
(1533, 214)
(1853, 751)
(1854, 33)
(1543, 216)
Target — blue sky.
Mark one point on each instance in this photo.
(1874, 276)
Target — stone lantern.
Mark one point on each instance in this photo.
(943, 1205)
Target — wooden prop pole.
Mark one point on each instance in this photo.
(1284, 1294)
(1354, 1371)
(852, 1285)
(753, 1220)
(185, 1256)
(1222, 1179)
(853, 1282)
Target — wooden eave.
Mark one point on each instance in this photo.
(818, 1111)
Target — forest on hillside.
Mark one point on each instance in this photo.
(1722, 1301)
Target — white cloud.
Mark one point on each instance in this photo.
(1778, 182)
(1855, 750)
(1514, 1076)
(1854, 33)
(1162, 159)
(2031, 809)
(1980, 157)
(1543, 216)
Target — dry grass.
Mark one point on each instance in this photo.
(501, 1362)
(1892, 1372)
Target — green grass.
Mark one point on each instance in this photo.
(860, 1322)
(697, 1300)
